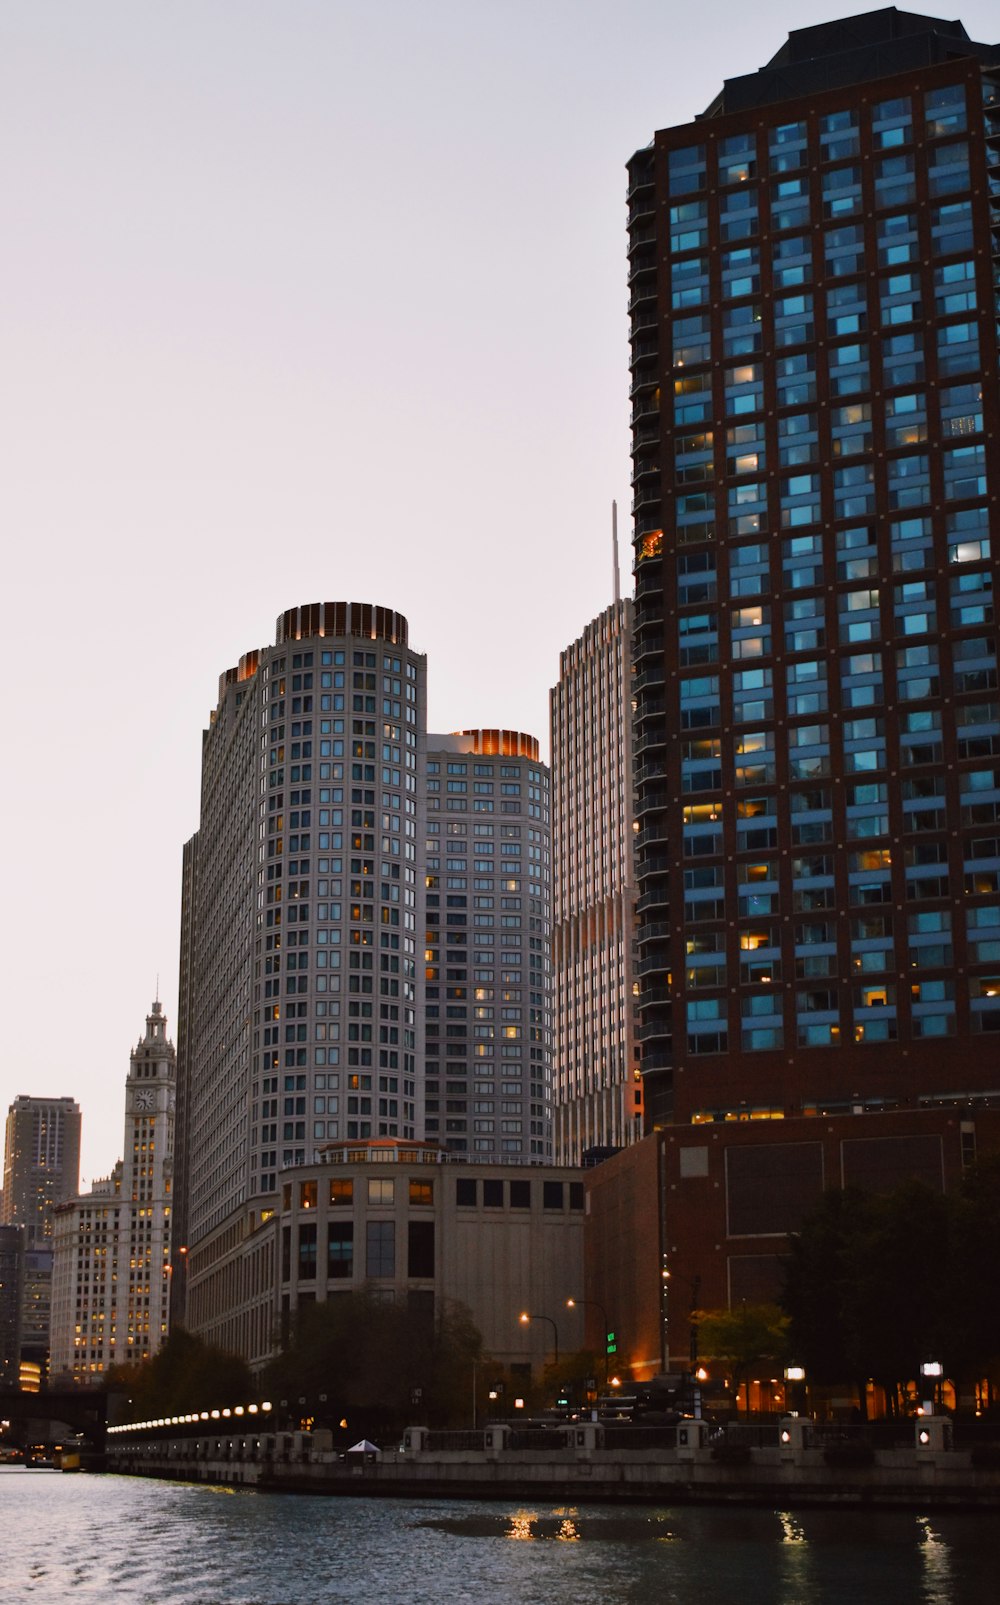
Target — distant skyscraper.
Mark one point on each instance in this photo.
(488, 850)
(41, 1164)
(185, 1003)
(41, 1168)
(301, 1014)
(111, 1273)
(11, 1271)
(597, 1097)
(814, 396)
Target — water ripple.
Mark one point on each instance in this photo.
(103, 1539)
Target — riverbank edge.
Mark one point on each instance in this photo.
(927, 1488)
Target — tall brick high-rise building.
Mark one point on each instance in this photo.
(816, 409)
(815, 412)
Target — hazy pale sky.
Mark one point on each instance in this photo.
(300, 300)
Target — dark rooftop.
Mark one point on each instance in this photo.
(853, 50)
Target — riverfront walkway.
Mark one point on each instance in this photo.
(792, 1464)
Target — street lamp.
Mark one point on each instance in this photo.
(932, 1371)
(524, 1318)
(796, 1374)
(694, 1288)
(584, 1303)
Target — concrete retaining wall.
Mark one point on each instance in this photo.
(789, 1472)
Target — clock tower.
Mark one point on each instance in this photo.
(149, 1112)
(111, 1264)
(147, 1189)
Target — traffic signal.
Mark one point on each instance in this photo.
(612, 1343)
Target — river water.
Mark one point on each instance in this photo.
(103, 1538)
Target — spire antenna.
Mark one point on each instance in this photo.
(614, 546)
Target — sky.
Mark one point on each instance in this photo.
(300, 300)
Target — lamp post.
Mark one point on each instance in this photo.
(585, 1303)
(694, 1287)
(931, 1372)
(524, 1318)
(796, 1374)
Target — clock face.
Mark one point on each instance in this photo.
(145, 1098)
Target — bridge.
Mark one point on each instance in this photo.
(41, 1417)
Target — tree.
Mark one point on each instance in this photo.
(893, 1312)
(184, 1375)
(379, 1365)
(740, 1339)
(569, 1380)
(874, 1284)
(972, 1289)
(860, 1292)
(816, 1296)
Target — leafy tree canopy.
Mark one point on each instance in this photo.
(184, 1375)
(877, 1283)
(742, 1337)
(379, 1365)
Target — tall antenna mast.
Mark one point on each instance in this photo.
(614, 544)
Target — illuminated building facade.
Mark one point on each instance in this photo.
(815, 410)
(11, 1271)
(597, 1098)
(416, 1223)
(111, 1272)
(300, 1008)
(41, 1168)
(487, 961)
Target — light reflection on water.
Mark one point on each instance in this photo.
(101, 1539)
(935, 1554)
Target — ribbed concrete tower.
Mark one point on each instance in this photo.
(597, 1095)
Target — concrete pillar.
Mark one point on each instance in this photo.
(691, 1437)
(932, 1434)
(587, 1436)
(794, 1433)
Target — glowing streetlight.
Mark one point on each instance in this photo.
(524, 1319)
(609, 1337)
